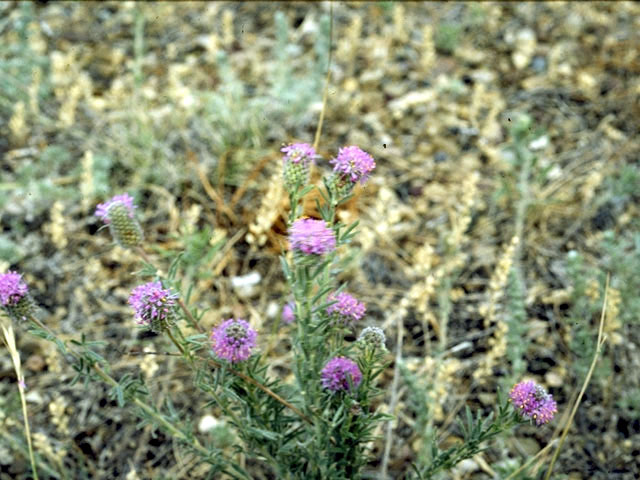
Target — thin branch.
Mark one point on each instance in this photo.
(533, 459)
(325, 94)
(394, 396)
(596, 355)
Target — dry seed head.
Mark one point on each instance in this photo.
(268, 212)
(86, 180)
(18, 124)
(56, 226)
(227, 28)
(36, 80)
(399, 27)
(428, 49)
(497, 284)
(60, 419)
(612, 323)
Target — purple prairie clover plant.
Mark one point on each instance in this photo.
(289, 313)
(346, 310)
(233, 340)
(14, 296)
(339, 373)
(533, 402)
(311, 237)
(297, 163)
(118, 213)
(154, 305)
(352, 165)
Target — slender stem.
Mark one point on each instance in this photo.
(532, 459)
(189, 316)
(316, 140)
(27, 432)
(143, 254)
(177, 344)
(596, 355)
(394, 394)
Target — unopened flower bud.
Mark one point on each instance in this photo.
(118, 213)
(296, 164)
(373, 337)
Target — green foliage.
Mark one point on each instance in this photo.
(475, 431)
(447, 37)
(582, 319)
(418, 403)
(630, 402)
(516, 320)
(18, 61)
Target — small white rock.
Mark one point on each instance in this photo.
(245, 284)
(208, 423)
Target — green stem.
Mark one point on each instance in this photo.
(144, 406)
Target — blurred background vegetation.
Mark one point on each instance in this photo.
(507, 187)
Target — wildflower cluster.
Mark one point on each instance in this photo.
(14, 296)
(345, 309)
(234, 340)
(341, 373)
(311, 237)
(533, 402)
(153, 305)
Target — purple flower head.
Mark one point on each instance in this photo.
(102, 210)
(338, 372)
(533, 401)
(311, 237)
(289, 313)
(298, 152)
(12, 288)
(14, 296)
(354, 163)
(153, 304)
(233, 340)
(347, 309)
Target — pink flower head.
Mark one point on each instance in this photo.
(338, 372)
(233, 340)
(347, 309)
(12, 288)
(289, 313)
(153, 304)
(354, 163)
(312, 237)
(533, 401)
(298, 152)
(102, 210)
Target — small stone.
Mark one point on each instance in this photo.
(245, 285)
(208, 423)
